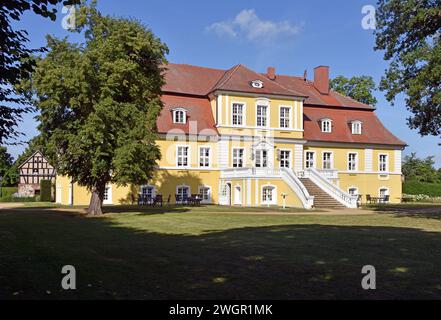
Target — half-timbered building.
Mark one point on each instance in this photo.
(32, 171)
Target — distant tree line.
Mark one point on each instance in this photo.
(420, 169)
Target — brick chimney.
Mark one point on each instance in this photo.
(271, 73)
(321, 79)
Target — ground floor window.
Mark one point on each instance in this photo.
(205, 192)
(183, 191)
(353, 191)
(148, 191)
(268, 195)
(384, 192)
(107, 198)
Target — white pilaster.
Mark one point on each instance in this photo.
(368, 160)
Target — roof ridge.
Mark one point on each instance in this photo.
(350, 98)
(226, 76)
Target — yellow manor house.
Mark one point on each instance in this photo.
(238, 137)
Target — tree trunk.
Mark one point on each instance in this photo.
(96, 200)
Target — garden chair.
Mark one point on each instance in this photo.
(369, 198)
(158, 200)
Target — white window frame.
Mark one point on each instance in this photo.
(148, 186)
(386, 164)
(284, 116)
(109, 194)
(267, 158)
(204, 186)
(209, 156)
(326, 125)
(243, 115)
(263, 116)
(384, 188)
(233, 157)
(184, 115)
(356, 162)
(289, 158)
(188, 156)
(314, 159)
(274, 194)
(356, 127)
(183, 186)
(331, 160)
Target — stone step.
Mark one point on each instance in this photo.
(321, 198)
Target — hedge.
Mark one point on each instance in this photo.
(417, 187)
(45, 190)
(18, 199)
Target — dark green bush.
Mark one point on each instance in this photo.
(45, 190)
(417, 187)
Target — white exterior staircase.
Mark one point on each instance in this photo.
(327, 193)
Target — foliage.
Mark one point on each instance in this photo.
(15, 59)
(46, 190)
(5, 161)
(409, 33)
(99, 102)
(8, 191)
(417, 187)
(11, 198)
(418, 169)
(358, 88)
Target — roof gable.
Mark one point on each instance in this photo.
(240, 78)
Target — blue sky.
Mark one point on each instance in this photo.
(290, 35)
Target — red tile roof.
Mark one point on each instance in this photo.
(199, 115)
(315, 97)
(189, 86)
(373, 131)
(239, 79)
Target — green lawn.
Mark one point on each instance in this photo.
(212, 253)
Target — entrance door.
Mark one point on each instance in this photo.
(237, 195)
(261, 158)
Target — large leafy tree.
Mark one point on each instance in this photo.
(409, 33)
(99, 102)
(15, 59)
(358, 88)
(6, 161)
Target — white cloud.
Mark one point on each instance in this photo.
(248, 25)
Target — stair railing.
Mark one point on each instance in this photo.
(297, 186)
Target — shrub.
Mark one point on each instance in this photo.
(45, 190)
(11, 198)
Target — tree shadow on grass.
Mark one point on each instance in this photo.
(270, 262)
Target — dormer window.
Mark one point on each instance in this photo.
(257, 84)
(179, 115)
(356, 127)
(326, 125)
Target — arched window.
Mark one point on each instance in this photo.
(269, 195)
